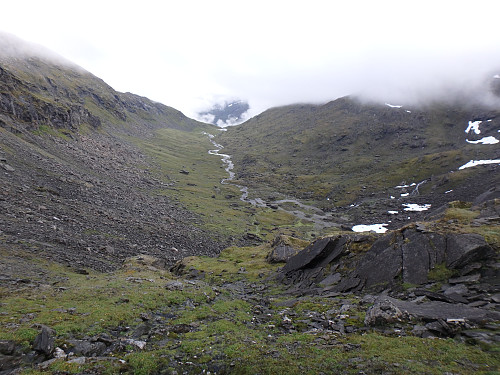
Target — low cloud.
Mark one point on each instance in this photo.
(274, 53)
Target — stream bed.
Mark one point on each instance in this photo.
(300, 210)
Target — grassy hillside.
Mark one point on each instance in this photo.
(345, 149)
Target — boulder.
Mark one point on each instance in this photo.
(379, 267)
(44, 342)
(462, 249)
(435, 310)
(420, 253)
(282, 250)
(399, 257)
(384, 312)
(319, 254)
(87, 348)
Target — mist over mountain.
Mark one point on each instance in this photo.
(228, 113)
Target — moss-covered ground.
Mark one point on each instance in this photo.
(223, 315)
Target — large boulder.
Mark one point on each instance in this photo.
(379, 267)
(317, 255)
(405, 256)
(420, 253)
(282, 250)
(462, 249)
(44, 341)
(384, 312)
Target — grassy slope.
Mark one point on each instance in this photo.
(314, 152)
(200, 191)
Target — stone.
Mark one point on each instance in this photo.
(87, 348)
(7, 167)
(435, 310)
(420, 253)
(465, 279)
(379, 267)
(433, 295)
(44, 342)
(318, 254)
(384, 312)
(331, 279)
(281, 254)
(459, 289)
(462, 249)
(78, 360)
(440, 327)
(7, 347)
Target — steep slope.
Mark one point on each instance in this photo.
(347, 152)
(75, 184)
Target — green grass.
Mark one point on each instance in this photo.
(223, 327)
(200, 191)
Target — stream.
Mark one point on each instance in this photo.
(302, 211)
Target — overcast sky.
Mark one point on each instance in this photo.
(188, 54)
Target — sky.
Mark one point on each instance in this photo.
(189, 54)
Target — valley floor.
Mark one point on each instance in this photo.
(224, 315)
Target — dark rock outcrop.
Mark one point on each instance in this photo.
(44, 342)
(282, 250)
(434, 310)
(404, 256)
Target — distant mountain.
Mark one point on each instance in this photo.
(348, 151)
(225, 114)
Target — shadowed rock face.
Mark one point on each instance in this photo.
(400, 257)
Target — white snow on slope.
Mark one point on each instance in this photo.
(473, 163)
(377, 228)
(416, 207)
(485, 141)
(393, 106)
(473, 125)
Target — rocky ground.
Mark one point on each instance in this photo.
(424, 299)
(91, 201)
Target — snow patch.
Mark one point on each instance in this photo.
(473, 163)
(497, 76)
(416, 207)
(449, 191)
(393, 212)
(405, 186)
(485, 141)
(473, 125)
(377, 228)
(405, 194)
(393, 106)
